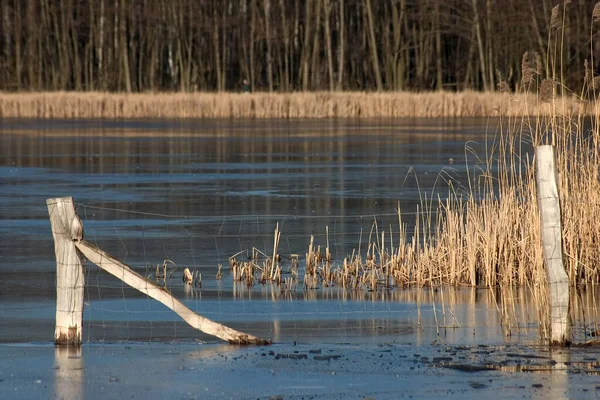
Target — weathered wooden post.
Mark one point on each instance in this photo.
(558, 281)
(66, 229)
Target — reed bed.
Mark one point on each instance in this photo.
(85, 105)
(487, 233)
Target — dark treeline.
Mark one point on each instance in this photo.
(288, 45)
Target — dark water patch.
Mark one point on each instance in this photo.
(467, 367)
(327, 357)
(526, 359)
(477, 385)
(529, 356)
(292, 356)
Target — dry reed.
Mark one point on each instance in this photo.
(554, 21)
(547, 90)
(596, 12)
(74, 105)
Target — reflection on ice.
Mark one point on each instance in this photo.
(68, 378)
(420, 316)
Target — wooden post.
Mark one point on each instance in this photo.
(558, 281)
(68, 238)
(66, 229)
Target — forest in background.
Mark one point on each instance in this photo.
(290, 45)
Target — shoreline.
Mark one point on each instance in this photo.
(316, 105)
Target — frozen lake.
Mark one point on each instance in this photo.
(198, 192)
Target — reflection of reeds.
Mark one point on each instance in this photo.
(269, 105)
(482, 311)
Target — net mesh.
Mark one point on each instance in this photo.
(160, 247)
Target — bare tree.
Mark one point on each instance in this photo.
(125, 45)
(373, 45)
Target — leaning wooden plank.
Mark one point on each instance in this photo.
(136, 281)
(67, 228)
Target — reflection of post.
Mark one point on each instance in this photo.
(558, 281)
(277, 331)
(559, 378)
(67, 228)
(191, 292)
(68, 379)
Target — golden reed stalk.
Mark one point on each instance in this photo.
(279, 105)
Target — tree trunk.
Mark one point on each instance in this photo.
(18, 59)
(327, 7)
(66, 67)
(305, 46)
(224, 52)
(397, 22)
(285, 78)
(467, 82)
(31, 45)
(7, 35)
(217, 48)
(373, 45)
(153, 64)
(252, 38)
(438, 49)
(315, 49)
(75, 52)
(89, 51)
(342, 43)
(100, 48)
(490, 45)
(480, 46)
(267, 6)
(124, 46)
